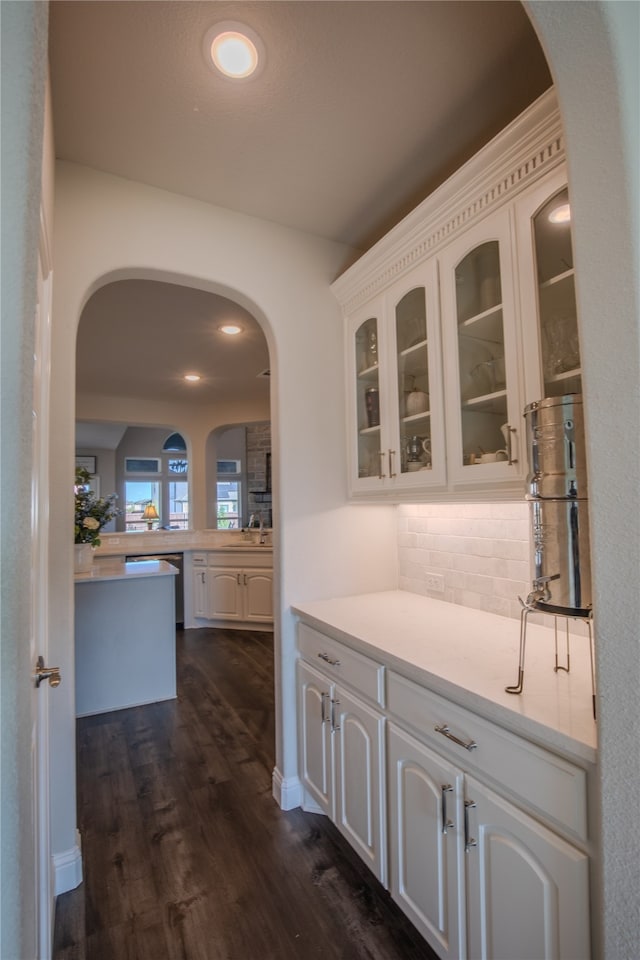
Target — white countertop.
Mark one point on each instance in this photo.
(470, 656)
(117, 570)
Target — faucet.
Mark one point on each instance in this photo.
(262, 539)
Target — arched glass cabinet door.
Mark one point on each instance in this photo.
(482, 365)
(368, 442)
(557, 312)
(412, 367)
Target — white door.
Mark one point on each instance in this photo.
(314, 737)
(425, 843)
(258, 594)
(38, 634)
(359, 772)
(199, 583)
(528, 890)
(225, 593)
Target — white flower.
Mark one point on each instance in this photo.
(90, 523)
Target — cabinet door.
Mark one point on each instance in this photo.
(547, 290)
(258, 594)
(359, 772)
(528, 890)
(224, 593)
(199, 583)
(482, 369)
(425, 843)
(368, 400)
(314, 736)
(416, 418)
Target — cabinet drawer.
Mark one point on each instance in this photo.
(199, 559)
(342, 664)
(541, 781)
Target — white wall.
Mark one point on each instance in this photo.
(107, 229)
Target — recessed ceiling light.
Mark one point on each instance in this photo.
(231, 329)
(560, 214)
(192, 377)
(234, 50)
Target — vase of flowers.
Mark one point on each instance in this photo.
(91, 514)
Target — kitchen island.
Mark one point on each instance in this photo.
(125, 649)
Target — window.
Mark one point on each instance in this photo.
(178, 505)
(228, 504)
(141, 465)
(139, 493)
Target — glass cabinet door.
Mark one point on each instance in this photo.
(558, 319)
(412, 367)
(483, 370)
(368, 410)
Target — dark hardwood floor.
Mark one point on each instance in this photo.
(186, 854)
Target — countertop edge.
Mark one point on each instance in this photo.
(547, 736)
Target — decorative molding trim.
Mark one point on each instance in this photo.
(527, 149)
(309, 805)
(67, 867)
(286, 792)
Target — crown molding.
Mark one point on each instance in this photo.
(531, 146)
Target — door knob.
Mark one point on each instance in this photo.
(52, 674)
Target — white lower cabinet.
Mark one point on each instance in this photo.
(527, 888)
(230, 595)
(426, 868)
(486, 832)
(341, 755)
(236, 594)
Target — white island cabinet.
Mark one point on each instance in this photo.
(125, 635)
(483, 797)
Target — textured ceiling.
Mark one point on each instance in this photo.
(362, 109)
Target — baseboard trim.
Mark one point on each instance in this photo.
(286, 792)
(67, 868)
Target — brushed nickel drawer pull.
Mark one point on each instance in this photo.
(468, 841)
(327, 659)
(446, 732)
(446, 824)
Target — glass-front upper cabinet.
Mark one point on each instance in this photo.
(481, 367)
(367, 460)
(418, 423)
(550, 316)
(394, 359)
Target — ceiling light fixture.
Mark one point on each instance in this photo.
(234, 50)
(231, 329)
(192, 377)
(560, 214)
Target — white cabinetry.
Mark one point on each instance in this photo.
(341, 743)
(395, 393)
(478, 873)
(479, 267)
(426, 868)
(481, 356)
(232, 594)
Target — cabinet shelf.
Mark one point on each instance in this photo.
(412, 349)
(559, 278)
(486, 326)
(369, 431)
(416, 417)
(369, 374)
(487, 403)
(565, 375)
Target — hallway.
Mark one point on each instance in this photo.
(186, 854)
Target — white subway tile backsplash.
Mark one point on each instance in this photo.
(481, 549)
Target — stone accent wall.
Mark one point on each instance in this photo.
(258, 446)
